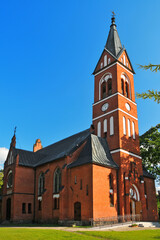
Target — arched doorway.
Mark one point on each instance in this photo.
(77, 211)
(135, 203)
(8, 209)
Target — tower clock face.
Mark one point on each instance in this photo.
(128, 107)
(105, 107)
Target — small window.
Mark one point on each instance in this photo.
(41, 184)
(39, 205)
(122, 60)
(29, 208)
(57, 181)
(101, 64)
(124, 125)
(103, 90)
(105, 60)
(111, 193)
(109, 86)
(126, 86)
(56, 203)
(87, 189)
(99, 129)
(122, 86)
(81, 184)
(105, 125)
(109, 60)
(129, 128)
(111, 126)
(10, 179)
(23, 208)
(75, 180)
(133, 129)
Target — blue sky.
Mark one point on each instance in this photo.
(48, 51)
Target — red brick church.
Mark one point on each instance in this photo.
(95, 174)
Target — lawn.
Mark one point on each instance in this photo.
(50, 234)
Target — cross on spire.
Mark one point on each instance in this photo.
(15, 130)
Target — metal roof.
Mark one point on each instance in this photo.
(96, 151)
(113, 43)
(53, 152)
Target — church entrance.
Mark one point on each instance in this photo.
(8, 209)
(135, 203)
(77, 211)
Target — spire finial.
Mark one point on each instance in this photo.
(15, 130)
(113, 17)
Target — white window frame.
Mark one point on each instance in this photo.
(129, 128)
(124, 125)
(105, 60)
(111, 126)
(105, 126)
(133, 130)
(99, 129)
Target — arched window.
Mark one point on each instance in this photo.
(105, 126)
(101, 64)
(9, 179)
(124, 125)
(111, 126)
(105, 60)
(133, 129)
(41, 182)
(126, 86)
(103, 90)
(109, 60)
(99, 129)
(122, 86)
(57, 180)
(129, 128)
(109, 86)
(111, 193)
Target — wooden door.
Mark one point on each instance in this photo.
(77, 211)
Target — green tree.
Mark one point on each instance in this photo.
(151, 94)
(1, 178)
(150, 150)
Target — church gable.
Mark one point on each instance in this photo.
(105, 60)
(124, 59)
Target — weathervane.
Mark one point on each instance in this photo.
(113, 14)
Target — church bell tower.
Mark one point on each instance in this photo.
(115, 117)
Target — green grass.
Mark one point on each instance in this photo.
(39, 234)
(127, 235)
(49, 234)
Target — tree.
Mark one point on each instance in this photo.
(150, 150)
(150, 93)
(1, 178)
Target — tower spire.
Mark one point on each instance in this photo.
(113, 43)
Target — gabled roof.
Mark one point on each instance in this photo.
(96, 151)
(53, 152)
(62, 148)
(113, 43)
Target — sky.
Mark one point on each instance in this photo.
(48, 51)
